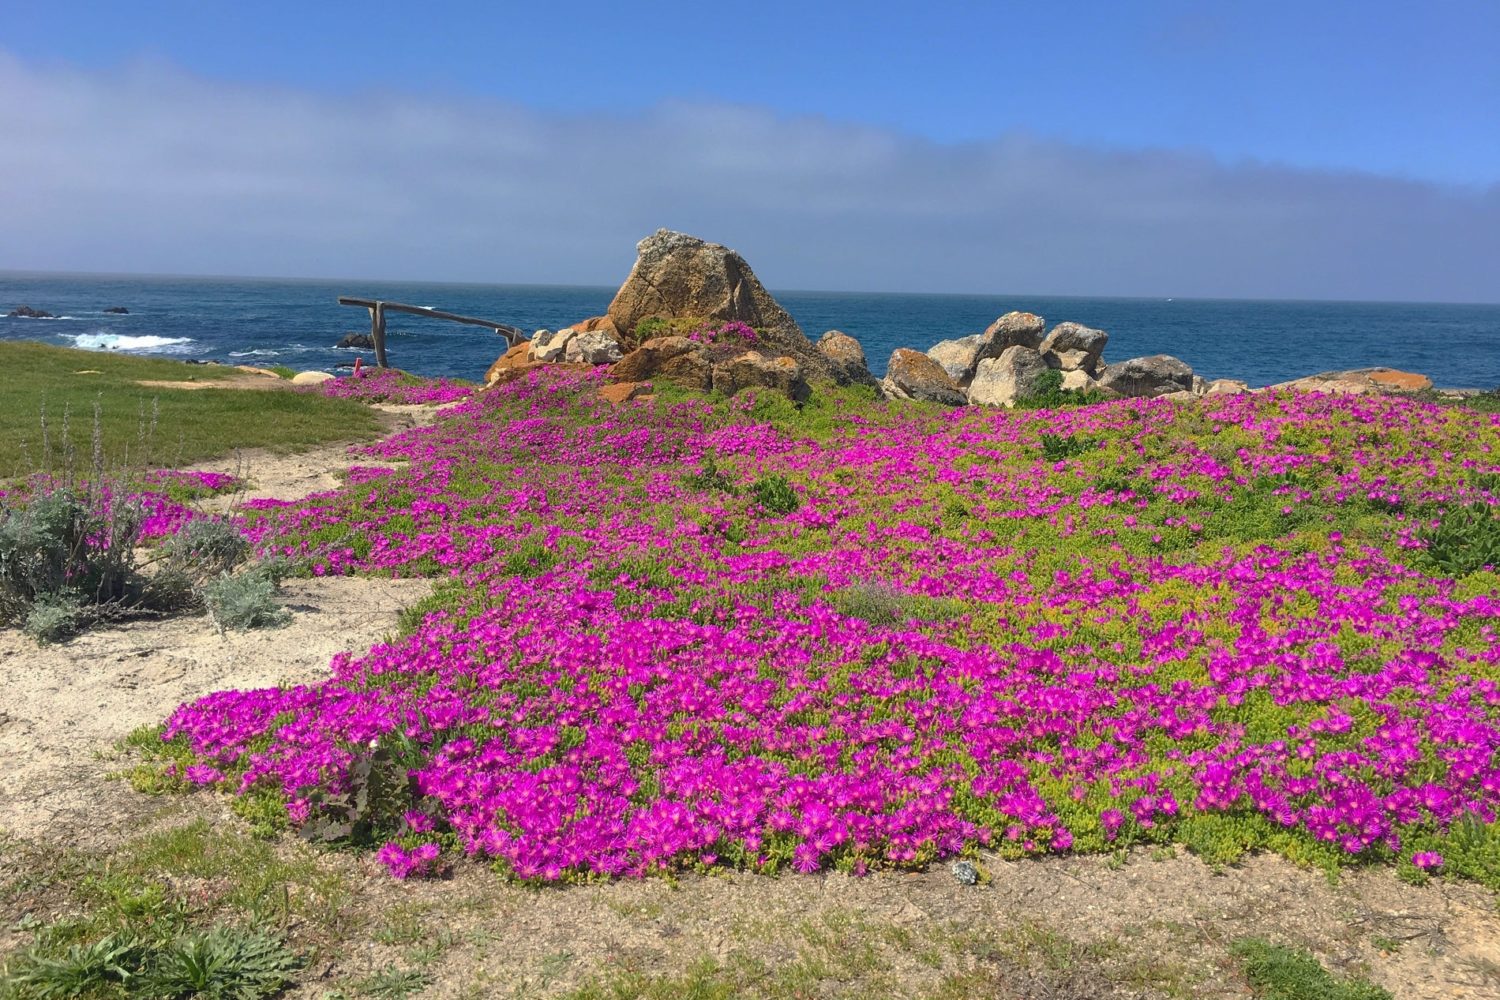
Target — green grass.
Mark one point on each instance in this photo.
(1277, 972)
(150, 425)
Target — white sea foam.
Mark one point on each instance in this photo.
(266, 353)
(120, 342)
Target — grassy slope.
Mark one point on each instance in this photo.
(191, 425)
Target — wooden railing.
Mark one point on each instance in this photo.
(378, 309)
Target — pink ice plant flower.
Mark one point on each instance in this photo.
(642, 673)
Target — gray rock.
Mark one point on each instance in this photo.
(846, 359)
(593, 348)
(1076, 347)
(753, 370)
(913, 375)
(1014, 329)
(1152, 376)
(1001, 381)
(958, 357)
(1079, 381)
(549, 346)
(964, 873)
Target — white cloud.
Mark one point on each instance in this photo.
(150, 169)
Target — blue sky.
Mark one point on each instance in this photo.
(845, 120)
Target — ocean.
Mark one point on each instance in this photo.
(296, 323)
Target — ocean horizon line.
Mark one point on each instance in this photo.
(832, 292)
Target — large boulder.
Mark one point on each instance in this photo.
(593, 348)
(913, 375)
(550, 346)
(958, 357)
(681, 277)
(846, 359)
(1074, 347)
(1151, 376)
(312, 378)
(1003, 380)
(753, 370)
(676, 359)
(1014, 329)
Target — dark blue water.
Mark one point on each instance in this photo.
(296, 323)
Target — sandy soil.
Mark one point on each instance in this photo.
(63, 708)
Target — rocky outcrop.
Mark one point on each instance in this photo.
(1074, 347)
(1001, 381)
(117, 311)
(1014, 329)
(913, 375)
(676, 359)
(517, 357)
(1150, 377)
(958, 357)
(355, 341)
(846, 359)
(681, 277)
(594, 323)
(26, 312)
(593, 348)
(1360, 381)
(753, 370)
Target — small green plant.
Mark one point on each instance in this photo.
(67, 554)
(79, 971)
(1047, 393)
(710, 479)
(1057, 447)
(379, 792)
(246, 600)
(219, 964)
(1465, 540)
(1277, 972)
(775, 494)
(207, 546)
(393, 984)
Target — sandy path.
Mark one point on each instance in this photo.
(63, 707)
(291, 475)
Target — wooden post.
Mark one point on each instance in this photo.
(377, 333)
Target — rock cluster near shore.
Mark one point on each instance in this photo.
(693, 313)
(1009, 360)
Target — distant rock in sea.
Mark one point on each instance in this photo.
(26, 312)
(118, 310)
(360, 341)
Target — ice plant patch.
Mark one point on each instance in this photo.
(1214, 623)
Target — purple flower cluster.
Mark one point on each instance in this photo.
(387, 385)
(1202, 628)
